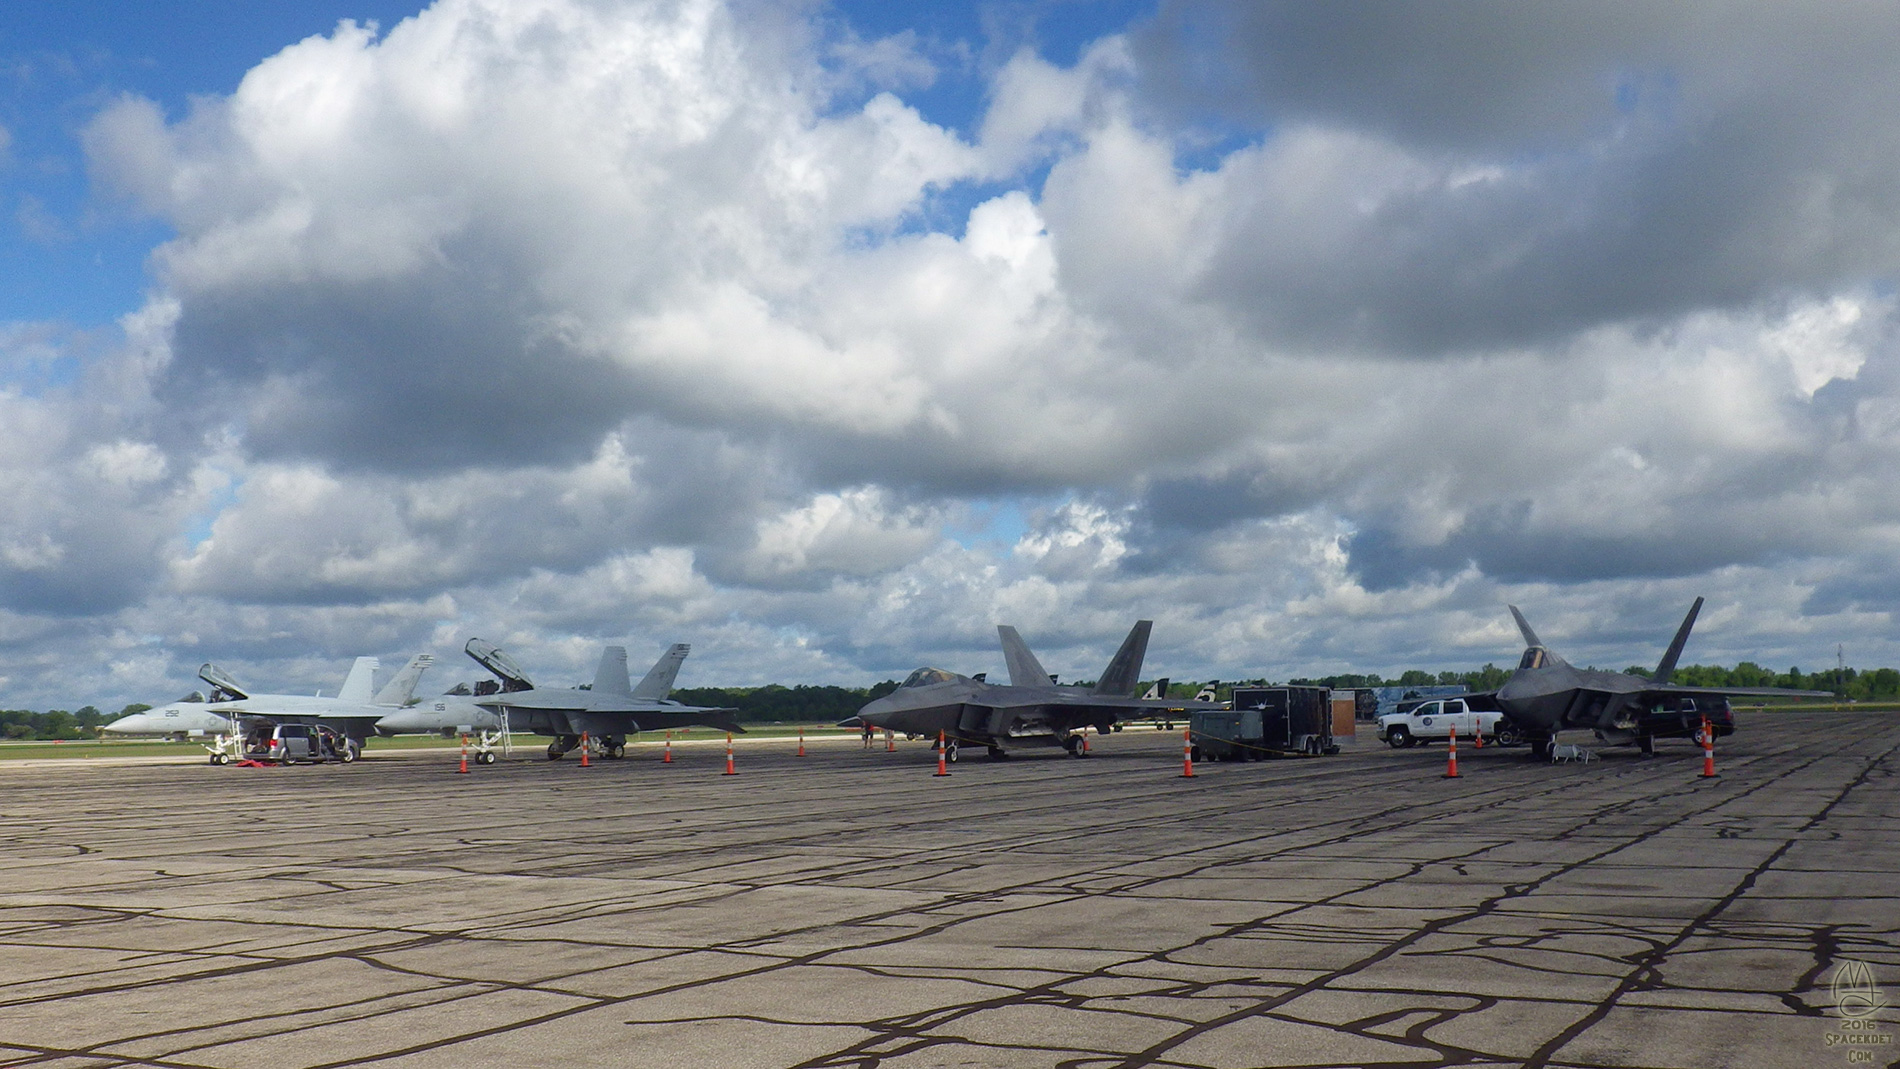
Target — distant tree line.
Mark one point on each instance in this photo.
(26, 725)
(763, 705)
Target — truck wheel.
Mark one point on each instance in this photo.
(1398, 738)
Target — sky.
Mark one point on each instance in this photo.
(828, 336)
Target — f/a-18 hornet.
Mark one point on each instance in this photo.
(1031, 711)
(1547, 695)
(354, 710)
(606, 713)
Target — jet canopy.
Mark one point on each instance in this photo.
(924, 677)
(196, 697)
(1537, 657)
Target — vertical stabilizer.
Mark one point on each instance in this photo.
(402, 686)
(1024, 669)
(659, 679)
(611, 676)
(1123, 673)
(361, 682)
(1524, 628)
(1667, 667)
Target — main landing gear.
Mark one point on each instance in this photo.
(607, 748)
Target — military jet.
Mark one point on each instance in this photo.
(1031, 711)
(1546, 695)
(353, 711)
(605, 713)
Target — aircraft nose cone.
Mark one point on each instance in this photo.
(399, 722)
(136, 724)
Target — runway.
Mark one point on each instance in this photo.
(850, 909)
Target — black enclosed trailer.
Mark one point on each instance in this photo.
(1266, 722)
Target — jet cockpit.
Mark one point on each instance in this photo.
(924, 677)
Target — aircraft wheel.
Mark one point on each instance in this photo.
(1194, 754)
(1507, 735)
(1542, 747)
(617, 752)
(348, 754)
(1399, 738)
(218, 759)
(484, 758)
(555, 751)
(997, 753)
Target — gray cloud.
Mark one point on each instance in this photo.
(1503, 174)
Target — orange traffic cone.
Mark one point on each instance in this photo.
(730, 771)
(666, 758)
(1085, 742)
(1187, 753)
(464, 769)
(1708, 750)
(942, 769)
(1477, 734)
(584, 763)
(1451, 757)
(890, 743)
(801, 742)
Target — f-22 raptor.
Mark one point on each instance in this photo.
(1031, 710)
(1546, 695)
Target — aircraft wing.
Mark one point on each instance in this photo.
(1118, 708)
(684, 716)
(1735, 692)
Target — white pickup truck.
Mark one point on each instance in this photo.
(1433, 720)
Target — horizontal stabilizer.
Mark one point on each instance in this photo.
(659, 679)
